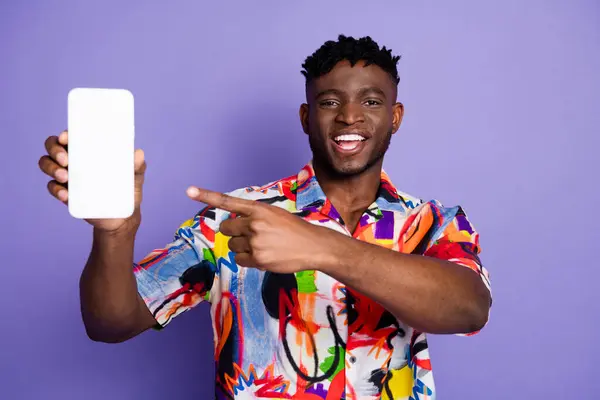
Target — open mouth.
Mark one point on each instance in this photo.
(349, 143)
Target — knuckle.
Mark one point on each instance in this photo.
(252, 228)
(50, 141)
(224, 200)
(254, 244)
(53, 188)
(257, 225)
(240, 259)
(241, 245)
(261, 257)
(225, 227)
(233, 245)
(47, 165)
(139, 183)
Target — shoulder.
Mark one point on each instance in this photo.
(433, 210)
(440, 219)
(415, 205)
(272, 192)
(410, 201)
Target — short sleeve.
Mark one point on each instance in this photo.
(444, 233)
(176, 278)
(454, 239)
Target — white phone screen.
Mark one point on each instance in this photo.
(101, 153)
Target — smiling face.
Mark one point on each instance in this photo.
(350, 117)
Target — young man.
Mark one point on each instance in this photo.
(322, 285)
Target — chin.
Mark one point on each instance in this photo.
(349, 167)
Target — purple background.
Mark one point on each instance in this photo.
(502, 114)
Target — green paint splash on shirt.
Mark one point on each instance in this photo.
(306, 282)
(327, 363)
(209, 256)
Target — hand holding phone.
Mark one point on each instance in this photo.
(93, 166)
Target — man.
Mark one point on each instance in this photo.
(322, 285)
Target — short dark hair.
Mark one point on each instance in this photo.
(353, 50)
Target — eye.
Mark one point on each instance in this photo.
(373, 102)
(328, 103)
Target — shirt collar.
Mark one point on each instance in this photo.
(309, 195)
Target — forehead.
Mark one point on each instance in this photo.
(349, 79)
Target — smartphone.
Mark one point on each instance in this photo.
(101, 153)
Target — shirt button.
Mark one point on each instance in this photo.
(352, 359)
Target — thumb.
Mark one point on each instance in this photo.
(140, 168)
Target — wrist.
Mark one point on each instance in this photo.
(128, 228)
(124, 233)
(331, 251)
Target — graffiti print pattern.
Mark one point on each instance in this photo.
(307, 336)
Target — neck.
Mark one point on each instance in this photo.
(350, 194)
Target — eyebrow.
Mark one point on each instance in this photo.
(371, 89)
(327, 92)
(363, 91)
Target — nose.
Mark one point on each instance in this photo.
(350, 114)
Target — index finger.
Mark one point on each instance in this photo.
(222, 201)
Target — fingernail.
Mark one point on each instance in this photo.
(61, 175)
(61, 158)
(62, 195)
(193, 192)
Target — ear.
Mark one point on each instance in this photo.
(304, 117)
(397, 114)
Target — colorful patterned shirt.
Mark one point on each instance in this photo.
(306, 335)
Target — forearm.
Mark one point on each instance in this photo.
(110, 305)
(431, 295)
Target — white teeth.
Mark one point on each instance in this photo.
(349, 138)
